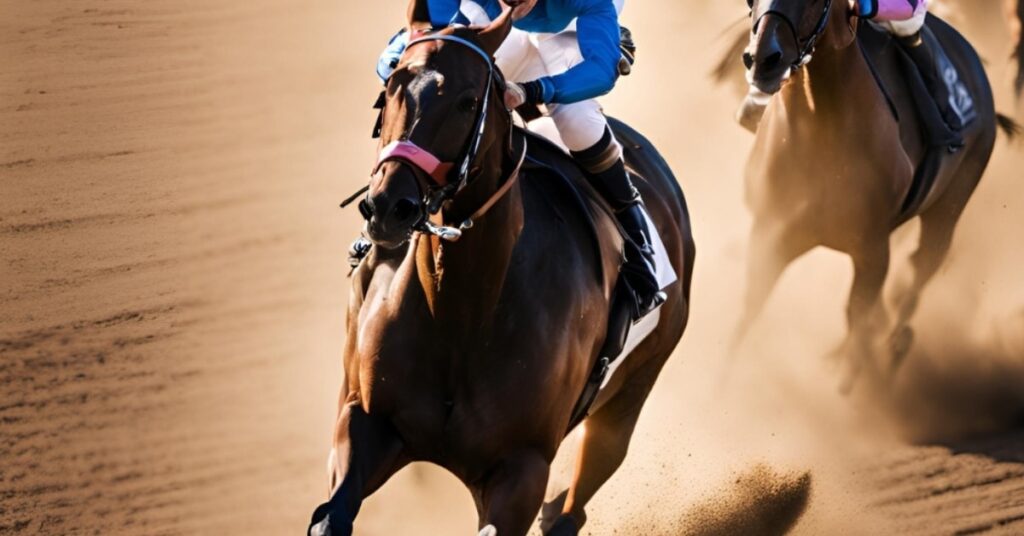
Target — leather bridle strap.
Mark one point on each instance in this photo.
(509, 182)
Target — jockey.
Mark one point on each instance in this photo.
(563, 54)
(904, 19)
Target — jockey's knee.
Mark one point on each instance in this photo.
(581, 124)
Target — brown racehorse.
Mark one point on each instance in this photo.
(471, 354)
(829, 167)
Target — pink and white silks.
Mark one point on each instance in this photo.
(901, 17)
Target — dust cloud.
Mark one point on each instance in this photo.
(172, 293)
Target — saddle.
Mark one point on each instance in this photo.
(922, 130)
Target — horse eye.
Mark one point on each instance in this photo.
(467, 105)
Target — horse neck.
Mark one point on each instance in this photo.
(828, 93)
(463, 280)
(821, 89)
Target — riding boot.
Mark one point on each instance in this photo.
(923, 56)
(608, 174)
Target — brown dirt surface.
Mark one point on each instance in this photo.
(172, 289)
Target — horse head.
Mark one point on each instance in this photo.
(443, 116)
(784, 34)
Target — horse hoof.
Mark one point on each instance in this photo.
(899, 344)
(320, 529)
(489, 530)
(564, 526)
(552, 511)
(325, 527)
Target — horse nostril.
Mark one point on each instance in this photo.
(404, 209)
(366, 209)
(772, 60)
(748, 60)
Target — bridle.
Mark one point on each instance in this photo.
(807, 45)
(438, 172)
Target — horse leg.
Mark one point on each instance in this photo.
(368, 452)
(864, 311)
(509, 498)
(937, 226)
(606, 440)
(933, 246)
(772, 248)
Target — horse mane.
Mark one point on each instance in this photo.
(726, 67)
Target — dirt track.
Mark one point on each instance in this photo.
(172, 290)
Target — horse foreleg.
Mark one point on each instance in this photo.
(511, 494)
(367, 451)
(772, 248)
(864, 312)
(606, 439)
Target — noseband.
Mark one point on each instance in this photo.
(808, 44)
(407, 153)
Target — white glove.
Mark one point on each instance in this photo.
(515, 96)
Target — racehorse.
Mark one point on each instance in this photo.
(832, 166)
(472, 354)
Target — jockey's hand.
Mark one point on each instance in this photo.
(517, 95)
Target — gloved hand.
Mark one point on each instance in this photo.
(517, 95)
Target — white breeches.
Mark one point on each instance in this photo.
(526, 56)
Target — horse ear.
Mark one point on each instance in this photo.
(494, 35)
(419, 15)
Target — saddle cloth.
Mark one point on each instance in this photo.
(909, 99)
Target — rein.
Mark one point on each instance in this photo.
(437, 171)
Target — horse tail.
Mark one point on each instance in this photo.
(727, 64)
(1010, 128)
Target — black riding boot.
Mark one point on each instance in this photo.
(924, 57)
(608, 172)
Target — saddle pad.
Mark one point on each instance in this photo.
(909, 98)
(645, 326)
(960, 100)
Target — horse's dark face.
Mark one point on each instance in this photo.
(434, 100)
(779, 29)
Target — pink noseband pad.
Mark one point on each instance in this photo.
(409, 152)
